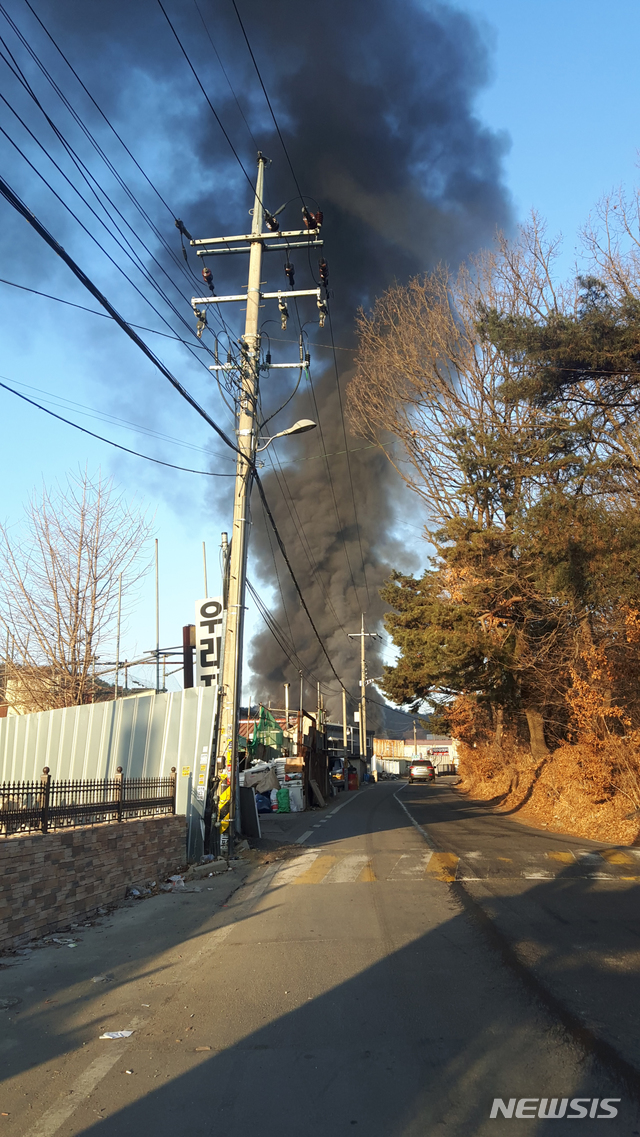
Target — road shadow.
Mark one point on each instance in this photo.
(417, 1043)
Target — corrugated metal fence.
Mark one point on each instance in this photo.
(145, 734)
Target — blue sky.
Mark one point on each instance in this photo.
(564, 88)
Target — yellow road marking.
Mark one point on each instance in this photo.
(442, 866)
(563, 858)
(317, 872)
(367, 873)
(616, 858)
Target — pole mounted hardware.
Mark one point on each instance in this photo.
(248, 366)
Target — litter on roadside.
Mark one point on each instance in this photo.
(64, 942)
(117, 1034)
(102, 978)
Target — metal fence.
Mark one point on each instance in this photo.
(26, 807)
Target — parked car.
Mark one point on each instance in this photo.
(421, 771)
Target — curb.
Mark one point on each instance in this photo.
(574, 1026)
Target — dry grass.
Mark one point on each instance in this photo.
(588, 791)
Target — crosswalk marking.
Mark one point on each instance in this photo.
(615, 857)
(317, 871)
(409, 866)
(347, 869)
(443, 866)
(313, 867)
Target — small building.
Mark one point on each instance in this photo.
(394, 755)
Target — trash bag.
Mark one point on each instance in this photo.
(296, 799)
(284, 805)
(263, 803)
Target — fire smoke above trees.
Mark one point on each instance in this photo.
(378, 111)
(515, 400)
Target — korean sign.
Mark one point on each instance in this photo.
(209, 632)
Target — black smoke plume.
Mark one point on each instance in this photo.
(375, 101)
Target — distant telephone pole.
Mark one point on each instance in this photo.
(362, 636)
(250, 366)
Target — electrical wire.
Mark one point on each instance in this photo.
(331, 486)
(285, 555)
(285, 645)
(264, 89)
(95, 240)
(92, 312)
(210, 104)
(17, 204)
(109, 441)
(89, 412)
(187, 271)
(222, 68)
(129, 253)
(344, 435)
(304, 541)
(99, 109)
(275, 569)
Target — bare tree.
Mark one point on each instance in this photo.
(428, 378)
(59, 590)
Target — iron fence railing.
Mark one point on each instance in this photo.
(40, 806)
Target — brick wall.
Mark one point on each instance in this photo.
(49, 879)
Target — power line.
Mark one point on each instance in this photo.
(286, 646)
(109, 441)
(275, 569)
(92, 236)
(332, 488)
(103, 315)
(344, 435)
(90, 412)
(304, 541)
(292, 574)
(17, 204)
(211, 106)
(264, 89)
(222, 67)
(187, 271)
(98, 108)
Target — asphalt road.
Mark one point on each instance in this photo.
(344, 989)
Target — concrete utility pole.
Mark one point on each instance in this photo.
(247, 444)
(362, 636)
(254, 243)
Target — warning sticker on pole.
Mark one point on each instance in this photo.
(209, 633)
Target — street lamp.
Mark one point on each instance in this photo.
(299, 427)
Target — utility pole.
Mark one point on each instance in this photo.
(157, 623)
(254, 243)
(362, 636)
(247, 444)
(118, 635)
(415, 741)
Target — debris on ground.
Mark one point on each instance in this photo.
(117, 1034)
